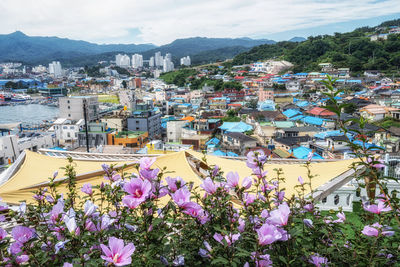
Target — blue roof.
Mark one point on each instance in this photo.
(302, 153)
(296, 118)
(302, 103)
(219, 153)
(323, 135)
(291, 113)
(313, 120)
(301, 74)
(58, 148)
(214, 141)
(366, 145)
(235, 127)
(213, 120)
(231, 154)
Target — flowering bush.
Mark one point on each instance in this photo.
(151, 219)
(145, 219)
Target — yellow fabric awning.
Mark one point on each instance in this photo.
(324, 171)
(36, 170)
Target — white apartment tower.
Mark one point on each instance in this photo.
(168, 65)
(158, 59)
(151, 62)
(137, 61)
(55, 69)
(185, 61)
(122, 61)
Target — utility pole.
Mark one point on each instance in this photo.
(86, 125)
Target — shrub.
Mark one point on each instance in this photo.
(151, 219)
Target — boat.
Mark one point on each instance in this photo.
(20, 98)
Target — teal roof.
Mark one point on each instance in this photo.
(291, 113)
(284, 124)
(303, 152)
(313, 120)
(236, 127)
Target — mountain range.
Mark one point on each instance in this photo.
(34, 50)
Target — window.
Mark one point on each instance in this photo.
(69, 107)
(348, 200)
(336, 199)
(69, 115)
(324, 200)
(68, 134)
(358, 192)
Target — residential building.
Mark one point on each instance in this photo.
(185, 61)
(55, 69)
(97, 135)
(152, 62)
(238, 142)
(293, 85)
(9, 150)
(122, 61)
(146, 119)
(265, 94)
(198, 142)
(137, 61)
(66, 132)
(131, 139)
(174, 130)
(168, 65)
(72, 108)
(158, 59)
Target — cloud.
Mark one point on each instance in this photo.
(162, 21)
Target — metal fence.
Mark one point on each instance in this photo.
(392, 168)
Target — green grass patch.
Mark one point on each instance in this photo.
(108, 99)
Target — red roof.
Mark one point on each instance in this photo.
(234, 105)
(317, 111)
(239, 78)
(241, 71)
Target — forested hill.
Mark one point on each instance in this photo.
(353, 49)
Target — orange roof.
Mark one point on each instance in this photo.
(235, 105)
(318, 111)
(188, 118)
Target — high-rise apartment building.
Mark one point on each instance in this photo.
(122, 61)
(158, 59)
(185, 61)
(151, 62)
(168, 65)
(55, 69)
(137, 61)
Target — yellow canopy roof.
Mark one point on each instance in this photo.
(36, 170)
(324, 171)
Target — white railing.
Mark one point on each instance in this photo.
(392, 166)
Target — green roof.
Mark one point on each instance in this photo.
(281, 153)
(284, 124)
(129, 134)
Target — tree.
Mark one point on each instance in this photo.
(124, 84)
(253, 104)
(350, 108)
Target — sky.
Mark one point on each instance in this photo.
(162, 21)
